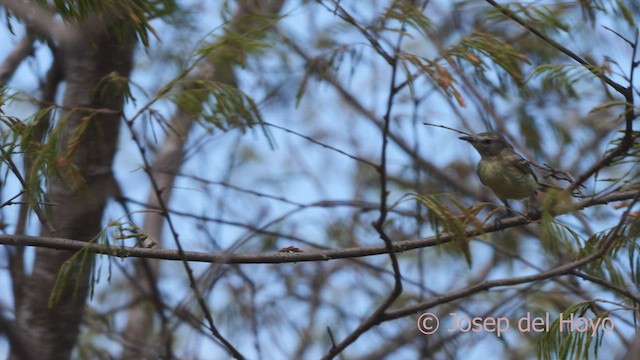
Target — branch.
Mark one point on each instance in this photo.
(344, 15)
(162, 203)
(312, 140)
(513, 16)
(457, 183)
(23, 49)
(629, 115)
(626, 92)
(487, 285)
(380, 310)
(280, 258)
(36, 17)
(607, 285)
(569, 268)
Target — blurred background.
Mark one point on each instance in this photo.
(257, 127)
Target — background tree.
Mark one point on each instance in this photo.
(246, 143)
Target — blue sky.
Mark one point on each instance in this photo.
(322, 114)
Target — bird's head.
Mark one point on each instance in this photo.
(488, 143)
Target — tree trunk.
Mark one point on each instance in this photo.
(89, 139)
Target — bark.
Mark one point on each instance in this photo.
(90, 138)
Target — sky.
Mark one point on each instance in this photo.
(222, 151)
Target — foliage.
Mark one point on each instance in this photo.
(344, 89)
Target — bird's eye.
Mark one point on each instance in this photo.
(486, 141)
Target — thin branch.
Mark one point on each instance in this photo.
(344, 15)
(11, 202)
(310, 139)
(569, 268)
(487, 285)
(36, 207)
(446, 127)
(181, 254)
(607, 285)
(279, 258)
(375, 316)
(592, 68)
(627, 140)
(454, 182)
(626, 92)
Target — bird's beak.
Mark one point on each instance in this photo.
(467, 138)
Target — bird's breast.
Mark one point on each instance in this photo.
(506, 180)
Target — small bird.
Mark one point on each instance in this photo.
(502, 170)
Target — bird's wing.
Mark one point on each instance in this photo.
(523, 164)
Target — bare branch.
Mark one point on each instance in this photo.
(279, 258)
(344, 15)
(22, 50)
(379, 225)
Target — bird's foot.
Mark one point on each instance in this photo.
(534, 213)
(507, 214)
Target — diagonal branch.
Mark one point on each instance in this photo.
(344, 15)
(626, 92)
(23, 49)
(592, 68)
(454, 182)
(565, 269)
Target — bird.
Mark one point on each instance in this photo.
(502, 170)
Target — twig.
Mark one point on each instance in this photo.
(280, 258)
(454, 182)
(513, 16)
(448, 128)
(344, 15)
(626, 92)
(569, 268)
(375, 316)
(310, 139)
(10, 201)
(181, 253)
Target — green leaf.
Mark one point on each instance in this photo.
(565, 341)
(626, 13)
(557, 237)
(328, 63)
(566, 76)
(444, 221)
(220, 105)
(406, 12)
(607, 105)
(473, 48)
